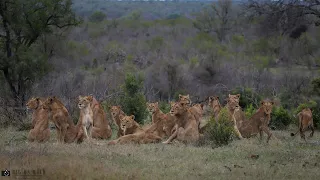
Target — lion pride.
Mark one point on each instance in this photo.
(67, 132)
(305, 123)
(40, 122)
(186, 127)
(257, 123)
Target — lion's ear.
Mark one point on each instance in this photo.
(37, 99)
(119, 107)
(188, 96)
(210, 98)
(238, 95)
(262, 102)
(90, 98)
(180, 96)
(147, 103)
(132, 116)
(272, 102)
(79, 97)
(201, 106)
(157, 103)
(217, 97)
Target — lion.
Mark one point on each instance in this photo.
(129, 125)
(67, 132)
(101, 128)
(137, 138)
(257, 123)
(214, 103)
(305, 123)
(86, 115)
(40, 131)
(185, 99)
(117, 114)
(186, 127)
(158, 120)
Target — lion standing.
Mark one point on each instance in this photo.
(305, 123)
(40, 122)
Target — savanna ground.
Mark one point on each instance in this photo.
(283, 158)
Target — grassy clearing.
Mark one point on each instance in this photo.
(283, 158)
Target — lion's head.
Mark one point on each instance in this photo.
(115, 110)
(233, 101)
(267, 106)
(84, 101)
(178, 108)
(153, 107)
(52, 103)
(34, 103)
(185, 99)
(127, 122)
(214, 101)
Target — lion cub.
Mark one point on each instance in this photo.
(86, 115)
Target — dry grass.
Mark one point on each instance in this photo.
(283, 158)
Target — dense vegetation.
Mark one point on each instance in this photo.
(199, 48)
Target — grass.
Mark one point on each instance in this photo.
(283, 158)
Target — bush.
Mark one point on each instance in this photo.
(221, 132)
(280, 118)
(249, 111)
(133, 101)
(247, 97)
(164, 107)
(97, 16)
(316, 86)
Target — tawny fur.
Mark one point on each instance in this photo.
(101, 128)
(66, 130)
(158, 120)
(40, 131)
(305, 123)
(86, 115)
(129, 125)
(186, 127)
(257, 123)
(117, 114)
(214, 103)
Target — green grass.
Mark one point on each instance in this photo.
(283, 158)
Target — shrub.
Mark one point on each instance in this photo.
(247, 97)
(97, 16)
(249, 111)
(280, 118)
(133, 101)
(316, 86)
(164, 107)
(221, 132)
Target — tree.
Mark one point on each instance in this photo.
(22, 24)
(133, 101)
(97, 16)
(290, 17)
(216, 19)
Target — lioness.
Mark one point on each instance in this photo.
(101, 128)
(214, 103)
(257, 123)
(305, 123)
(185, 99)
(66, 130)
(158, 120)
(117, 114)
(40, 122)
(86, 115)
(129, 125)
(186, 127)
(137, 138)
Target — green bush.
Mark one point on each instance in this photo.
(97, 16)
(247, 97)
(164, 107)
(316, 86)
(249, 111)
(280, 118)
(221, 132)
(133, 101)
